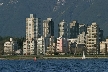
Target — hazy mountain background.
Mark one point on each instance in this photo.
(14, 12)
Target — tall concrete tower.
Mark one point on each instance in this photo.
(33, 27)
(63, 30)
(48, 27)
(74, 29)
(33, 32)
(92, 39)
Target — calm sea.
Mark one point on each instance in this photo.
(55, 65)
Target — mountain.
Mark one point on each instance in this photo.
(14, 12)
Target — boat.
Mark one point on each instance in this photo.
(83, 57)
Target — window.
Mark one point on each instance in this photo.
(29, 24)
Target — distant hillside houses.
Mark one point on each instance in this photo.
(73, 38)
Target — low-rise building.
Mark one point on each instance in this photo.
(29, 47)
(41, 46)
(51, 46)
(10, 47)
(51, 49)
(103, 47)
(62, 45)
(75, 47)
(107, 45)
(72, 45)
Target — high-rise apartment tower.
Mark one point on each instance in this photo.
(48, 27)
(33, 32)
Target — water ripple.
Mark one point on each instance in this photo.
(54, 65)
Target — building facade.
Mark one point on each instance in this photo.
(33, 32)
(103, 47)
(51, 48)
(82, 28)
(48, 27)
(63, 29)
(72, 45)
(100, 34)
(82, 38)
(92, 39)
(62, 45)
(29, 47)
(74, 29)
(10, 47)
(33, 27)
(41, 46)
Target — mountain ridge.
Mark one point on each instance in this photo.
(13, 15)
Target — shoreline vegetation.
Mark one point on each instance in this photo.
(31, 57)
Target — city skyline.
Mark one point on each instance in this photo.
(69, 35)
(73, 38)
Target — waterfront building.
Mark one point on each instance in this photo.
(41, 46)
(72, 45)
(62, 45)
(48, 27)
(107, 45)
(29, 47)
(10, 47)
(92, 39)
(103, 47)
(75, 47)
(48, 34)
(33, 31)
(51, 46)
(74, 29)
(81, 38)
(63, 29)
(80, 48)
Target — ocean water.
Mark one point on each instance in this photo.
(55, 65)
